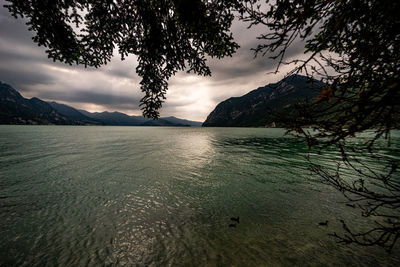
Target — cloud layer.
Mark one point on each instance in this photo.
(115, 87)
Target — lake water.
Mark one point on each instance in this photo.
(148, 196)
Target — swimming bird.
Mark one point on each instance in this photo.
(323, 223)
(232, 225)
(235, 219)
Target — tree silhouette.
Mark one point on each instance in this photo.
(165, 35)
(353, 46)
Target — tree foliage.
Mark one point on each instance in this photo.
(353, 46)
(165, 35)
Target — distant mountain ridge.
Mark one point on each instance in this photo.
(15, 109)
(73, 114)
(121, 119)
(115, 118)
(259, 108)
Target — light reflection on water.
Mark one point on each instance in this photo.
(164, 196)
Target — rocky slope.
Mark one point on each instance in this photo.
(261, 107)
(15, 109)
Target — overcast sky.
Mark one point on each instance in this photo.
(115, 87)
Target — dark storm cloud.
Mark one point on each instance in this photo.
(16, 46)
(13, 55)
(13, 29)
(123, 71)
(22, 80)
(245, 62)
(93, 96)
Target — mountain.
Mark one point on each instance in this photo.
(161, 122)
(15, 109)
(261, 107)
(183, 122)
(121, 119)
(115, 118)
(73, 114)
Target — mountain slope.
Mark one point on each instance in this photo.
(121, 119)
(15, 109)
(261, 106)
(182, 121)
(115, 118)
(73, 114)
(161, 122)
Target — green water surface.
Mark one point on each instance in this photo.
(153, 196)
